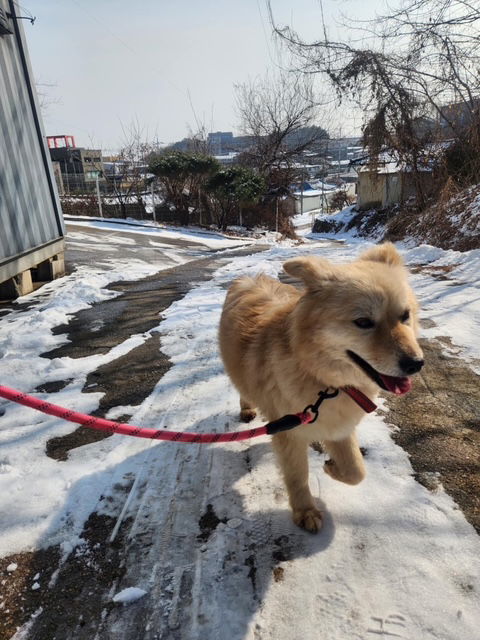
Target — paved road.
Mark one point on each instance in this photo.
(95, 247)
(86, 244)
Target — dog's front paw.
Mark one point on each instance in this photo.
(354, 475)
(309, 519)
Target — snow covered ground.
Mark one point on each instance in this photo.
(393, 559)
(211, 239)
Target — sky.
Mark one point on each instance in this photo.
(167, 65)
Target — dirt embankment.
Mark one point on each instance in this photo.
(452, 222)
(438, 424)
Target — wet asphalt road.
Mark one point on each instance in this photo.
(89, 245)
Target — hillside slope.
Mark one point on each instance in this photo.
(453, 223)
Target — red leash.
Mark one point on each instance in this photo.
(101, 424)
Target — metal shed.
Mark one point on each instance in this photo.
(31, 222)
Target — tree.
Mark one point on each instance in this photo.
(279, 114)
(420, 61)
(183, 177)
(339, 200)
(232, 188)
(129, 179)
(45, 97)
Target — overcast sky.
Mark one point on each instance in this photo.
(161, 62)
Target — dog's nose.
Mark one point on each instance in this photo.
(410, 365)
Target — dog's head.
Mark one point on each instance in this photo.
(358, 321)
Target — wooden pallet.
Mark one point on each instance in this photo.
(33, 278)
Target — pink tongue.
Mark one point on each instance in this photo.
(398, 386)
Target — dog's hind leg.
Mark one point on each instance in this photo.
(346, 463)
(292, 455)
(247, 412)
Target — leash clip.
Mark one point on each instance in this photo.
(322, 395)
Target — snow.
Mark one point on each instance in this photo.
(393, 559)
(392, 168)
(304, 220)
(130, 594)
(463, 211)
(22, 633)
(210, 239)
(311, 193)
(24, 335)
(13, 566)
(339, 234)
(453, 305)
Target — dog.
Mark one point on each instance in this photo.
(353, 325)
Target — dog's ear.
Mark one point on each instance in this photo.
(311, 270)
(383, 253)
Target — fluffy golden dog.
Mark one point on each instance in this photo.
(353, 325)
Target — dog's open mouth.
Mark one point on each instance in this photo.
(398, 386)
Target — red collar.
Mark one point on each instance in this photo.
(360, 398)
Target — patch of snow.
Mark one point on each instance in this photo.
(453, 304)
(423, 254)
(130, 594)
(22, 633)
(24, 335)
(210, 239)
(115, 412)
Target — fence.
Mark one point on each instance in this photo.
(273, 214)
(83, 184)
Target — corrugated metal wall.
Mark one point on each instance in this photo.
(30, 214)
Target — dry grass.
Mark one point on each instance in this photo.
(453, 222)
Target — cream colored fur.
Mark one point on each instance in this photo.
(281, 346)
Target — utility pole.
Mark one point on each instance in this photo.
(199, 207)
(153, 201)
(301, 196)
(99, 198)
(323, 195)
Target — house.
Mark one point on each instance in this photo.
(227, 158)
(220, 142)
(313, 199)
(386, 180)
(31, 222)
(80, 168)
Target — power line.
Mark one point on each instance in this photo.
(126, 45)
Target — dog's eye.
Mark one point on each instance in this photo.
(364, 323)
(405, 317)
